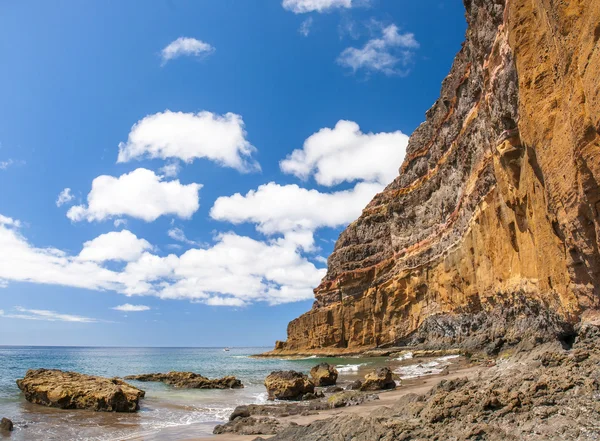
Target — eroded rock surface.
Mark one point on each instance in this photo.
(288, 385)
(324, 374)
(492, 228)
(189, 380)
(70, 390)
(380, 379)
(545, 394)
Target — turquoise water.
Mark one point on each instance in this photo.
(196, 412)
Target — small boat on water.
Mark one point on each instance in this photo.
(226, 349)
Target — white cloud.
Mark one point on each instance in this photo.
(178, 235)
(303, 6)
(64, 197)
(45, 315)
(305, 26)
(294, 211)
(186, 46)
(344, 153)
(120, 223)
(189, 136)
(235, 270)
(140, 194)
(128, 307)
(383, 54)
(170, 170)
(10, 222)
(116, 245)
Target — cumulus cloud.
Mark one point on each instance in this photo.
(304, 6)
(120, 223)
(128, 307)
(294, 211)
(344, 153)
(64, 197)
(10, 222)
(185, 46)
(45, 315)
(235, 270)
(390, 54)
(116, 245)
(189, 136)
(140, 194)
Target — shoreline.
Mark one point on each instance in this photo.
(419, 385)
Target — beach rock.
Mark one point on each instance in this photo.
(350, 398)
(239, 412)
(249, 426)
(334, 389)
(324, 374)
(288, 385)
(6, 425)
(355, 385)
(71, 390)
(189, 380)
(379, 379)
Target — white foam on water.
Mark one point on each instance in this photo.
(342, 368)
(260, 398)
(422, 369)
(406, 356)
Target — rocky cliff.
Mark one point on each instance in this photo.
(491, 230)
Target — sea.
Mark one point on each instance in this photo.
(166, 412)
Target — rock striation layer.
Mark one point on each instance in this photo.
(70, 390)
(189, 380)
(492, 228)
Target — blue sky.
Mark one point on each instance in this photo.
(191, 163)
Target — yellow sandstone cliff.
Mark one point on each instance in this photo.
(490, 233)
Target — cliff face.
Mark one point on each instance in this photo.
(492, 227)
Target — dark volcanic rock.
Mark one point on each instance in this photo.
(355, 385)
(324, 374)
(70, 390)
(189, 380)
(288, 385)
(380, 379)
(6, 425)
(547, 394)
(350, 398)
(239, 412)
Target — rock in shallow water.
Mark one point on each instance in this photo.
(6, 425)
(70, 390)
(324, 374)
(189, 380)
(288, 385)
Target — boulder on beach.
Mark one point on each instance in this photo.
(6, 425)
(71, 390)
(324, 374)
(380, 379)
(189, 380)
(355, 385)
(288, 385)
(350, 398)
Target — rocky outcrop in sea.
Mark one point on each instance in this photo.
(71, 390)
(189, 380)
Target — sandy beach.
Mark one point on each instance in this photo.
(418, 386)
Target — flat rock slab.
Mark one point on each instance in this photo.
(71, 390)
(189, 380)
